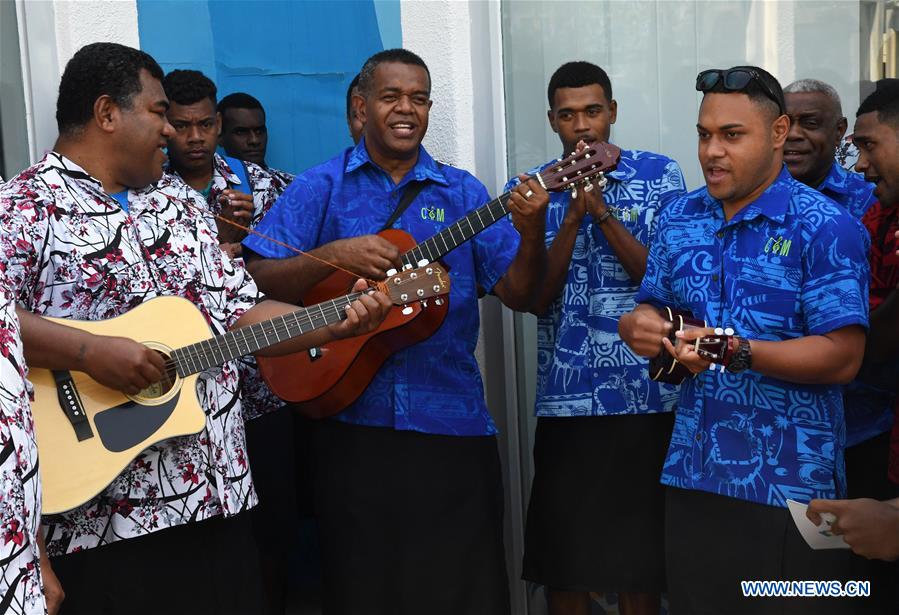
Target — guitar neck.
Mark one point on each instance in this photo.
(451, 237)
(220, 349)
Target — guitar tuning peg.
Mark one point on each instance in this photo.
(438, 301)
(574, 192)
(424, 303)
(589, 186)
(391, 272)
(407, 310)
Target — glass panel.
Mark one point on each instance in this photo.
(13, 133)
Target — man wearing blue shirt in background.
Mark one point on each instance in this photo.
(408, 484)
(603, 426)
(784, 267)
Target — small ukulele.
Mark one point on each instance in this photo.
(714, 348)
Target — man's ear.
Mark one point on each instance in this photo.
(106, 113)
(551, 116)
(613, 111)
(218, 124)
(780, 129)
(842, 126)
(359, 107)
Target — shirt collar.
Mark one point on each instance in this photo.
(425, 167)
(58, 162)
(837, 180)
(773, 203)
(223, 169)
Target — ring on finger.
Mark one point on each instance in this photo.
(528, 194)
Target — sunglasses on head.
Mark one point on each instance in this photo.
(735, 80)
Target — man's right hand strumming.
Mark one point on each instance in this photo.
(121, 363)
(370, 256)
(643, 330)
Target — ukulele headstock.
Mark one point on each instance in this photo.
(421, 284)
(581, 167)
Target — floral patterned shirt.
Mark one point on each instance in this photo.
(20, 502)
(72, 252)
(266, 186)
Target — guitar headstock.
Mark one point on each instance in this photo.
(411, 285)
(714, 348)
(581, 167)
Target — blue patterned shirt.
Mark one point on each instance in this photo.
(788, 265)
(869, 411)
(434, 386)
(583, 366)
(849, 190)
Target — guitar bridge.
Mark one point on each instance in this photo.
(71, 404)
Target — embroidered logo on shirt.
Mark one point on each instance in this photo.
(432, 213)
(778, 246)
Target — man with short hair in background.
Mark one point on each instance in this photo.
(245, 134)
(603, 426)
(354, 124)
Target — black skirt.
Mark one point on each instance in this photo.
(409, 523)
(596, 515)
(714, 542)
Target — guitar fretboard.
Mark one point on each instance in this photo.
(247, 340)
(445, 241)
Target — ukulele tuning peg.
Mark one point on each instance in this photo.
(404, 297)
(407, 266)
(423, 262)
(438, 301)
(574, 192)
(391, 272)
(407, 310)
(587, 155)
(589, 186)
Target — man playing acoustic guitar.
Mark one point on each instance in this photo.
(784, 267)
(89, 233)
(408, 483)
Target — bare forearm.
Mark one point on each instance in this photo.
(833, 358)
(630, 252)
(51, 345)
(269, 309)
(517, 288)
(288, 279)
(558, 262)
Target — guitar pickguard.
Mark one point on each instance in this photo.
(131, 423)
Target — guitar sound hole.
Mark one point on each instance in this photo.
(160, 390)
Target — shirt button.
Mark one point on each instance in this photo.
(720, 234)
(714, 277)
(699, 437)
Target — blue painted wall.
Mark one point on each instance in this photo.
(297, 57)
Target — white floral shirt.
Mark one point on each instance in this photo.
(266, 186)
(20, 498)
(72, 252)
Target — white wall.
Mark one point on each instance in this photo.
(49, 35)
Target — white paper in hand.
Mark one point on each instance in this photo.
(817, 536)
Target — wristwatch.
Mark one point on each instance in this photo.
(741, 358)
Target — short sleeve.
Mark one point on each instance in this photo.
(656, 285)
(835, 275)
(295, 219)
(25, 229)
(496, 246)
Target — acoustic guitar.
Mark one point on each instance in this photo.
(340, 371)
(87, 434)
(714, 348)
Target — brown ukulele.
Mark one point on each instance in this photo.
(714, 348)
(324, 382)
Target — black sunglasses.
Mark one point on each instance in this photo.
(735, 80)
